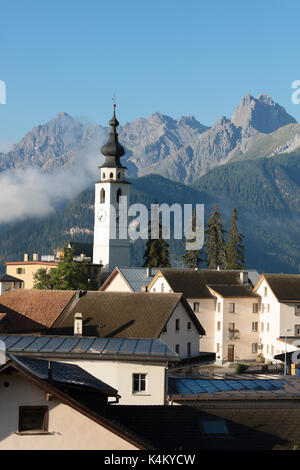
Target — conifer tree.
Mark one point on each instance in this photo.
(192, 258)
(215, 241)
(157, 251)
(234, 246)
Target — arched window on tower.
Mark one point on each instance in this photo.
(102, 196)
(103, 176)
(111, 175)
(119, 193)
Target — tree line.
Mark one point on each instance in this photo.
(222, 249)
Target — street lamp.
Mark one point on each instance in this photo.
(286, 330)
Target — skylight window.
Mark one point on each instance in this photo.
(214, 427)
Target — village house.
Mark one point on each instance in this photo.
(128, 279)
(279, 317)
(137, 368)
(223, 302)
(8, 282)
(104, 314)
(56, 406)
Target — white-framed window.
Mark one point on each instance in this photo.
(219, 307)
(268, 327)
(254, 348)
(297, 309)
(254, 326)
(139, 383)
(196, 306)
(265, 291)
(262, 327)
(297, 330)
(255, 308)
(231, 307)
(218, 326)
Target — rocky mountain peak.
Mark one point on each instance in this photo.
(261, 114)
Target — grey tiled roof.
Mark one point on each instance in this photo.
(67, 374)
(96, 348)
(138, 277)
(9, 278)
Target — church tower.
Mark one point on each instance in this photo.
(109, 249)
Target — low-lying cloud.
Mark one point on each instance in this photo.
(29, 192)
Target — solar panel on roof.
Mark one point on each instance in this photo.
(221, 385)
(250, 384)
(10, 341)
(158, 348)
(39, 343)
(128, 346)
(235, 385)
(53, 344)
(98, 345)
(83, 345)
(208, 386)
(194, 386)
(180, 387)
(113, 346)
(67, 345)
(24, 343)
(143, 346)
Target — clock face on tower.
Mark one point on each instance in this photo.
(101, 215)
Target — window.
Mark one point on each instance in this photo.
(265, 291)
(111, 175)
(297, 309)
(177, 348)
(255, 308)
(20, 270)
(262, 327)
(232, 307)
(103, 176)
(267, 349)
(254, 348)
(218, 307)
(177, 325)
(268, 327)
(119, 193)
(188, 349)
(218, 326)
(189, 325)
(254, 326)
(262, 308)
(214, 427)
(218, 347)
(33, 419)
(297, 330)
(272, 350)
(196, 306)
(268, 308)
(102, 196)
(119, 175)
(138, 383)
(162, 288)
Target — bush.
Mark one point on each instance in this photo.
(241, 368)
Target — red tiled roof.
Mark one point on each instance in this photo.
(40, 306)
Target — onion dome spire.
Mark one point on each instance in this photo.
(113, 150)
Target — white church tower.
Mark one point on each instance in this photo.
(109, 250)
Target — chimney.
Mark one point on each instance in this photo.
(144, 288)
(35, 257)
(244, 277)
(149, 272)
(78, 324)
(26, 257)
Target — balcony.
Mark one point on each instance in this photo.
(233, 333)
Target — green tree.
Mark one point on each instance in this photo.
(215, 241)
(69, 274)
(157, 251)
(192, 258)
(234, 246)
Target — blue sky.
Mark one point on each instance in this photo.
(189, 57)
